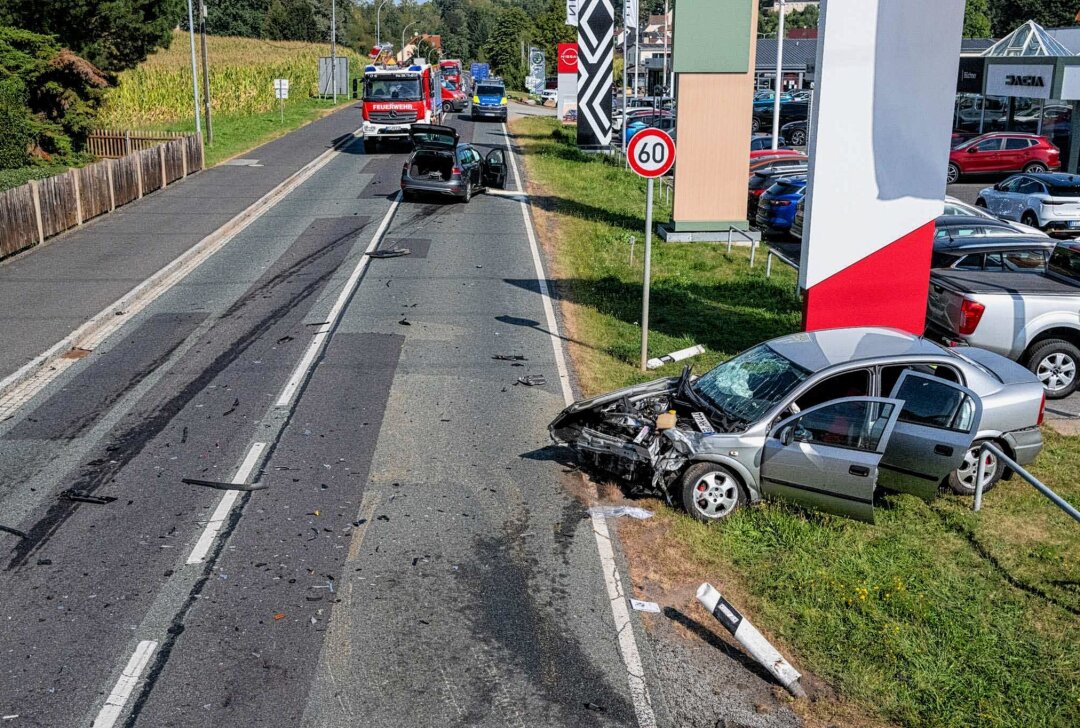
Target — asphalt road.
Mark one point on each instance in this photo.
(412, 560)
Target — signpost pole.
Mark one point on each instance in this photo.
(648, 276)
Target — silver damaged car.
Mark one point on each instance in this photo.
(825, 419)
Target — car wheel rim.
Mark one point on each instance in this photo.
(1036, 168)
(715, 495)
(969, 469)
(1056, 371)
(798, 139)
(953, 174)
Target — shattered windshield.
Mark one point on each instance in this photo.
(748, 385)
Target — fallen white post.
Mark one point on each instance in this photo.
(675, 356)
(748, 636)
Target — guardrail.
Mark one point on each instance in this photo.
(753, 243)
(980, 479)
(773, 253)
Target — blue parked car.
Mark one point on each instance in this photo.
(776, 209)
(665, 123)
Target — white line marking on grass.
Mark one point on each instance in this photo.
(635, 672)
(303, 369)
(114, 704)
(225, 505)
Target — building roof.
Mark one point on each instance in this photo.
(1068, 37)
(1029, 40)
(798, 53)
(975, 45)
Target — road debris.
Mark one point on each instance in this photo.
(284, 339)
(404, 322)
(509, 357)
(617, 511)
(641, 606)
(279, 616)
(221, 485)
(80, 496)
(532, 380)
(13, 531)
(675, 356)
(595, 708)
(749, 637)
(389, 253)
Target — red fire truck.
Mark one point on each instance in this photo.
(396, 97)
(451, 71)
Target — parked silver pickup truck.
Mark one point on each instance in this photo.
(1033, 318)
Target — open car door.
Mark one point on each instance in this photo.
(433, 136)
(936, 425)
(495, 169)
(827, 456)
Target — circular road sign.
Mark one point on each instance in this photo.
(651, 152)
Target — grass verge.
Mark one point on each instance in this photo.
(934, 616)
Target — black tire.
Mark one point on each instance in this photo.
(1030, 219)
(447, 107)
(953, 174)
(755, 125)
(1054, 362)
(371, 146)
(1035, 168)
(962, 480)
(798, 138)
(408, 195)
(468, 192)
(711, 492)
(980, 203)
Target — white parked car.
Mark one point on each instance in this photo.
(548, 94)
(1049, 201)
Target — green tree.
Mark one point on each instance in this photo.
(17, 123)
(503, 48)
(235, 17)
(1006, 15)
(111, 34)
(291, 20)
(977, 19)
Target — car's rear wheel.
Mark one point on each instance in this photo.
(1035, 168)
(980, 203)
(1054, 362)
(798, 138)
(755, 125)
(711, 492)
(962, 480)
(953, 174)
(1029, 218)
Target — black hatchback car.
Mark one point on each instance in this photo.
(441, 164)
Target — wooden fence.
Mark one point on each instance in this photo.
(41, 209)
(116, 143)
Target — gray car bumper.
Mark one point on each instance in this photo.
(1026, 444)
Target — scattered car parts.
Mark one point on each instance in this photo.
(221, 485)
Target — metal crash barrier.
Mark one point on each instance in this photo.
(773, 253)
(980, 478)
(753, 243)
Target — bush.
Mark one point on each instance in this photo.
(17, 124)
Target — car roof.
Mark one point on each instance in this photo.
(818, 350)
(1055, 178)
(971, 220)
(981, 244)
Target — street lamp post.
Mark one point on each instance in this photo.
(333, 47)
(378, 25)
(194, 69)
(779, 76)
(403, 59)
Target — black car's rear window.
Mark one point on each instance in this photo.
(1071, 190)
(1065, 261)
(489, 90)
(785, 187)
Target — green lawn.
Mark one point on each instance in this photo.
(935, 616)
(234, 134)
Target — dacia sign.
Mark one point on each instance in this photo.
(1023, 80)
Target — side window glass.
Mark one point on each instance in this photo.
(848, 384)
(990, 145)
(934, 404)
(856, 425)
(1016, 143)
(968, 262)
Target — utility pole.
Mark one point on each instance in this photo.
(333, 47)
(194, 69)
(664, 80)
(779, 76)
(205, 73)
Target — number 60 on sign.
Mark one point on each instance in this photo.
(651, 152)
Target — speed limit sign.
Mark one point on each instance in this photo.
(651, 152)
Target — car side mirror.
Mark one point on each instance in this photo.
(787, 435)
(972, 150)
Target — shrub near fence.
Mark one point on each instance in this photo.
(39, 210)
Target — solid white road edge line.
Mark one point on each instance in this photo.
(225, 505)
(20, 386)
(635, 671)
(319, 340)
(114, 704)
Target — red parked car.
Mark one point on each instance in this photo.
(1003, 152)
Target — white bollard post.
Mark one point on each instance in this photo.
(748, 636)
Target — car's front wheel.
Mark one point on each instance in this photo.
(953, 174)
(447, 107)
(755, 125)
(798, 138)
(1035, 168)
(711, 492)
(1054, 362)
(962, 480)
(468, 192)
(371, 146)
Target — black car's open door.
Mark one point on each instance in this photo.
(937, 424)
(495, 169)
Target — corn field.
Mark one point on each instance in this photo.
(242, 71)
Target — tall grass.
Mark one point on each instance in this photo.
(242, 71)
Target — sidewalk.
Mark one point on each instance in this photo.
(48, 292)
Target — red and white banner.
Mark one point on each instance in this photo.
(882, 120)
(566, 101)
